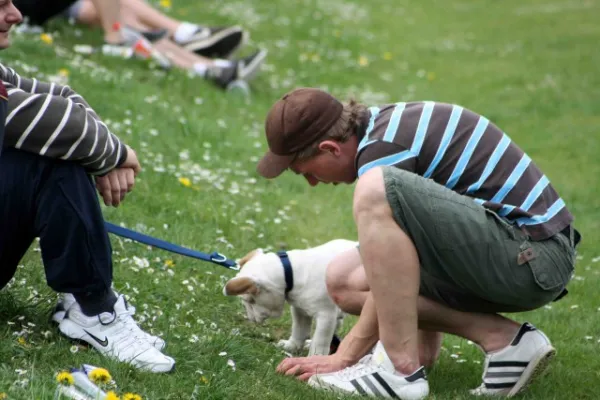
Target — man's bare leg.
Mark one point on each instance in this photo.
(151, 16)
(109, 14)
(392, 267)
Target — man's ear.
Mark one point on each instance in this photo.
(249, 256)
(241, 285)
(330, 146)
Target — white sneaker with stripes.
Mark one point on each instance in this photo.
(375, 376)
(508, 371)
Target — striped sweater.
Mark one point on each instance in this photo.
(53, 121)
(467, 153)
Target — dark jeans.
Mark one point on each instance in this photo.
(57, 202)
(40, 11)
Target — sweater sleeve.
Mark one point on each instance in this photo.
(53, 121)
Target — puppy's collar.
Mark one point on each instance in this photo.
(287, 271)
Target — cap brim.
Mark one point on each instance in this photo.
(273, 165)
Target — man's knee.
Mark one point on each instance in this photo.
(369, 194)
(336, 280)
(340, 273)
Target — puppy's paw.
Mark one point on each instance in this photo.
(291, 346)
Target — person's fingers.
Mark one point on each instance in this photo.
(306, 375)
(287, 364)
(295, 370)
(115, 188)
(122, 176)
(130, 176)
(103, 185)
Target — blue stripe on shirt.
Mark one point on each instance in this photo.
(415, 148)
(394, 123)
(446, 138)
(480, 128)
(392, 159)
(540, 219)
(365, 140)
(535, 193)
(491, 164)
(512, 179)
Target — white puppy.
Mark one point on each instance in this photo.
(264, 287)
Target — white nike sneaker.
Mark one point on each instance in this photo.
(66, 300)
(375, 376)
(508, 371)
(115, 335)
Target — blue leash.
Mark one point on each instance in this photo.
(213, 257)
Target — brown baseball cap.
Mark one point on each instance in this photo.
(294, 122)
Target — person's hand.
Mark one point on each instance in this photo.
(115, 185)
(305, 367)
(131, 161)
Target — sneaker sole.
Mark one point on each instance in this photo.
(536, 367)
(201, 47)
(249, 72)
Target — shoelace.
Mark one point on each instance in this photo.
(130, 334)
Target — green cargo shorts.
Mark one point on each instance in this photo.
(469, 255)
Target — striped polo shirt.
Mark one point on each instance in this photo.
(467, 153)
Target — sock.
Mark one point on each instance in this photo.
(200, 69)
(222, 63)
(94, 303)
(184, 31)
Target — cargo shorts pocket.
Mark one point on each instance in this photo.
(549, 263)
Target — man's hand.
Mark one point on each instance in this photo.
(131, 161)
(116, 184)
(305, 367)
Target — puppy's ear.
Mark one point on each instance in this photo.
(249, 256)
(242, 285)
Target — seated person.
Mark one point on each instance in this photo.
(56, 152)
(136, 27)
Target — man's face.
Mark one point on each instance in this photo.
(9, 16)
(334, 164)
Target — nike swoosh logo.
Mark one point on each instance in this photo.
(102, 343)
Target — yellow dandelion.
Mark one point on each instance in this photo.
(165, 3)
(203, 379)
(430, 76)
(3, 396)
(111, 396)
(21, 341)
(363, 61)
(46, 38)
(185, 182)
(132, 396)
(63, 72)
(100, 375)
(64, 378)
(169, 263)
(387, 56)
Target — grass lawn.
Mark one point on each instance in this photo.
(531, 67)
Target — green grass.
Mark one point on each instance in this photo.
(531, 67)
